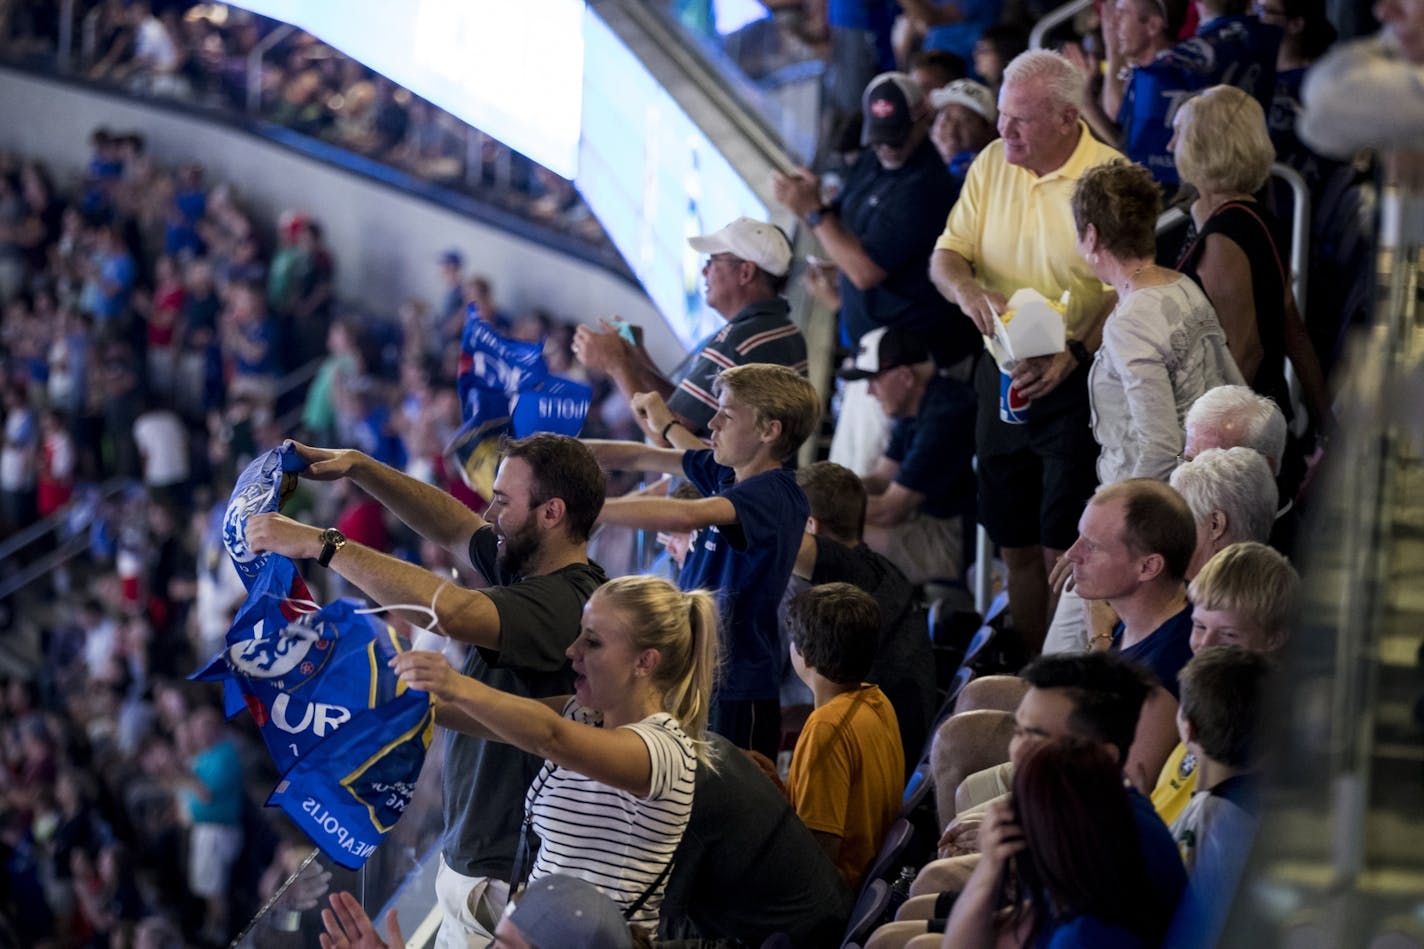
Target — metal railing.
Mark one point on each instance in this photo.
(65, 550)
(1299, 264)
(1300, 230)
(254, 65)
(1053, 18)
(64, 51)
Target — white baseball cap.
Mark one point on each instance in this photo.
(974, 96)
(761, 243)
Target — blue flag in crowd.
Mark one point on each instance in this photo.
(263, 487)
(347, 736)
(506, 389)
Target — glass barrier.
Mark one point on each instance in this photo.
(770, 57)
(400, 874)
(1339, 860)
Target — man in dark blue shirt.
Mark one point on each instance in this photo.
(880, 232)
(1135, 542)
(882, 227)
(922, 487)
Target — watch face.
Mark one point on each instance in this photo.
(332, 540)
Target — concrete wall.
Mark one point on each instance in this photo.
(385, 240)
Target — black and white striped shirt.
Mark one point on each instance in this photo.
(617, 841)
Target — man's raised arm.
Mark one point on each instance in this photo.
(466, 615)
(425, 509)
(667, 514)
(629, 366)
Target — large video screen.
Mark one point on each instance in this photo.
(512, 70)
(551, 80)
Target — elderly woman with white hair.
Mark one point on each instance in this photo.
(1232, 495)
(1231, 416)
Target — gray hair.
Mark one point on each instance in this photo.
(1235, 481)
(1060, 80)
(1241, 417)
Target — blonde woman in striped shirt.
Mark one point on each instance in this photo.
(614, 796)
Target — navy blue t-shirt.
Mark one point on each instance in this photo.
(897, 216)
(1165, 650)
(935, 448)
(747, 565)
(1285, 112)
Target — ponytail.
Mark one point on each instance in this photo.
(690, 700)
(683, 628)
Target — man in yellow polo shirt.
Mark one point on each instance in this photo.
(1011, 228)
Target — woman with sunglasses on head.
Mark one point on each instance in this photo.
(614, 796)
(1063, 853)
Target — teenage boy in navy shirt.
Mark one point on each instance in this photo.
(749, 524)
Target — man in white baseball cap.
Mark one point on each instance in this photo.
(745, 273)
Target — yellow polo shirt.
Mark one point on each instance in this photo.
(1016, 228)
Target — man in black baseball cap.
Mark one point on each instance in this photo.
(884, 349)
(893, 110)
(879, 231)
(922, 488)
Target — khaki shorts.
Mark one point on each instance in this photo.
(924, 548)
(470, 908)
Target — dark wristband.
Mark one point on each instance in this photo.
(667, 428)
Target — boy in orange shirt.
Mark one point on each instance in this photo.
(847, 772)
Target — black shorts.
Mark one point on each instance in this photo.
(1035, 478)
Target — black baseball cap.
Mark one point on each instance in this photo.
(886, 348)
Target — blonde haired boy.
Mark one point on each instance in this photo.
(749, 523)
(1244, 596)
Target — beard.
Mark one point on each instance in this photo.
(519, 549)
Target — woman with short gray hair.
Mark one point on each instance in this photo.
(1162, 345)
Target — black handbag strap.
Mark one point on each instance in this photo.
(522, 863)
